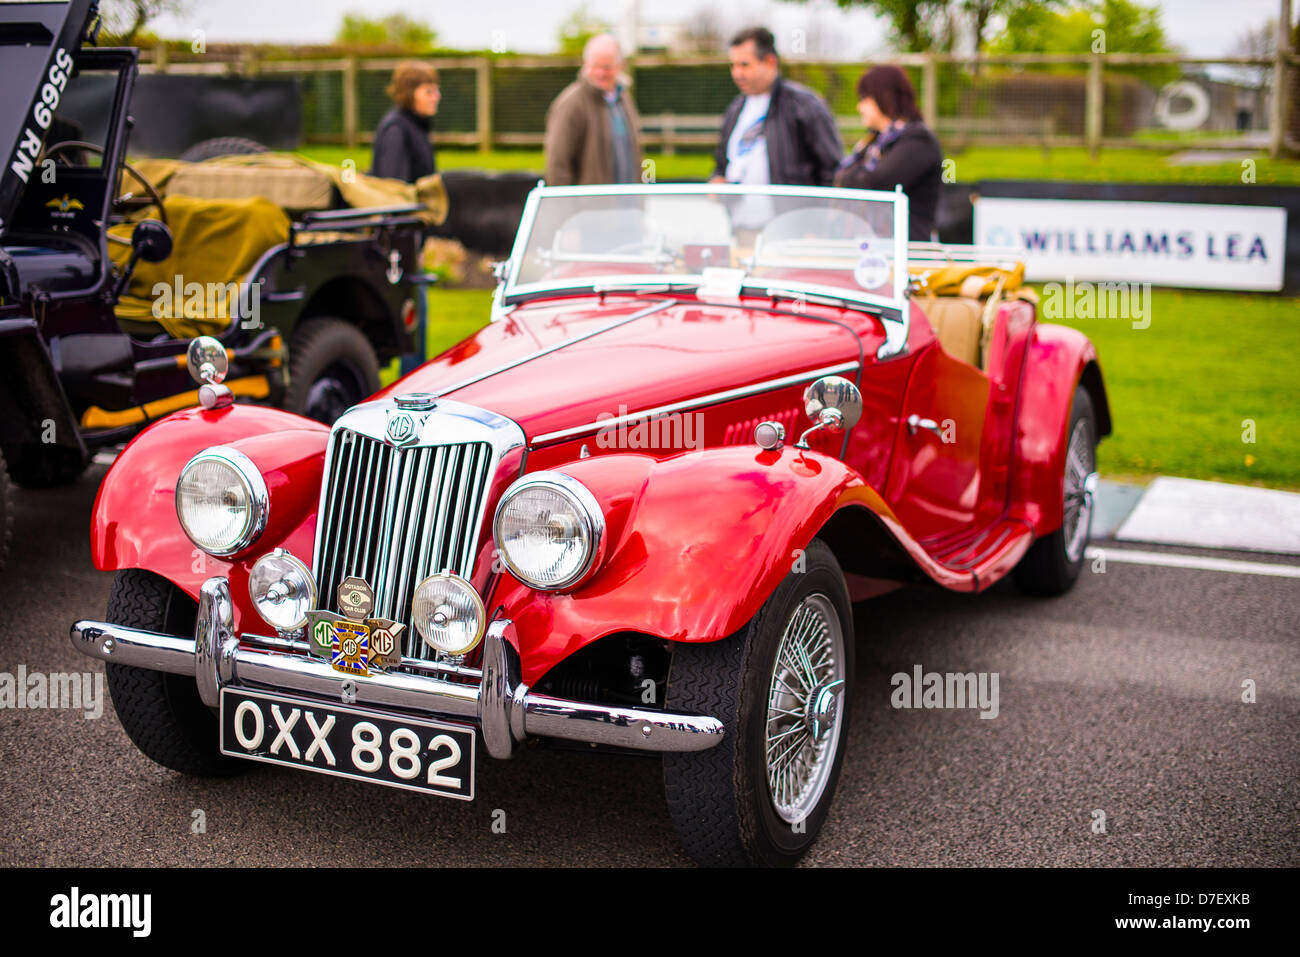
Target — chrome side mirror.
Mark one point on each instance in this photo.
(834, 404)
(208, 364)
(206, 359)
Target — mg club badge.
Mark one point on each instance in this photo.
(356, 598)
(385, 642)
(351, 651)
(320, 632)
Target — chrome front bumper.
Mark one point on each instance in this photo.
(503, 708)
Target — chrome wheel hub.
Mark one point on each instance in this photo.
(823, 705)
(804, 715)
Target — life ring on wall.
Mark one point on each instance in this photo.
(1190, 118)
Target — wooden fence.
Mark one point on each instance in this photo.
(668, 131)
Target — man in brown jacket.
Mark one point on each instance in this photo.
(592, 126)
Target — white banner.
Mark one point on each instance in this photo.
(1168, 244)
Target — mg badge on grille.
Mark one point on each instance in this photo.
(385, 642)
(356, 598)
(351, 652)
(401, 428)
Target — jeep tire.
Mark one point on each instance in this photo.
(6, 512)
(332, 367)
(221, 146)
(45, 466)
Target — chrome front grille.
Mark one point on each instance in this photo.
(394, 516)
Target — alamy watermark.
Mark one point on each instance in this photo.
(1098, 300)
(213, 300)
(74, 910)
(81, 692)
(672, 430)
(933, 689)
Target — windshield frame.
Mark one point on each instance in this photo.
(888, 307)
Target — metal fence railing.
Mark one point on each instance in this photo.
(1097, 101)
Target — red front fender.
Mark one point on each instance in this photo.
(134, 523)
(1059, 360)
(695, 544)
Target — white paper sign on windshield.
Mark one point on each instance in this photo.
(721, 284)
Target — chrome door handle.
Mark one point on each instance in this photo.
(915, 422)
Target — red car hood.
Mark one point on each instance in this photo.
(679, 352)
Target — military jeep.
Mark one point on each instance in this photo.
(307, 276)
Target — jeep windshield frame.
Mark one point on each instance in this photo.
(38, 43)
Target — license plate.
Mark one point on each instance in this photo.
(408, 753)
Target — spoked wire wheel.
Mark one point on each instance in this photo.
(803, 713)
(783, 688)
(1080, 462)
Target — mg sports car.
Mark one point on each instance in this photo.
(632, 513)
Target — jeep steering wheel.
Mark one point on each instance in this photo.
(149, 187)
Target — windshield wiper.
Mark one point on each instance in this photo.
(648, 286)
(818, 299)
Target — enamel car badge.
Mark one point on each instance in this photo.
(320, 632)
(356, 598)
(385, 642)
(351, 651)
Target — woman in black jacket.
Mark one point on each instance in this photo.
(903, 151)
(403, 148)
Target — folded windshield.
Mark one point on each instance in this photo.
(849, 244)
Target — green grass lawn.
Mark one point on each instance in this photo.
(1113, 166)
(1185, 390)
(976, 163)
(1180, 389)
(455, 314)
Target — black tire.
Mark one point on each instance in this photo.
(221, 146)
(332, 367)
(45, 466)
(160, 712)
(6, 512)
(1051, 566)
(720, 799)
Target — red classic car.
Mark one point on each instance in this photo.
(631, 512)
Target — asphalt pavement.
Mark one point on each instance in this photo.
(1121, 738)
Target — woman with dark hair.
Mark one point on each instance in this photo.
(403, 148)
(903, 151)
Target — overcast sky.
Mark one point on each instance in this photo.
(1200, 27)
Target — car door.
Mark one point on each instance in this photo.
(935, 480)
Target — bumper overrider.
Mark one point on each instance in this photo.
(499, 704)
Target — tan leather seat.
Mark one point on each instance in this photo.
(957, 323)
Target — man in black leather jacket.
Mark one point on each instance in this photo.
(780, 121)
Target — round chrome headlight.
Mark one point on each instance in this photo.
(221, 501)
(282, 590)
(549, 530)
(448, 614)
